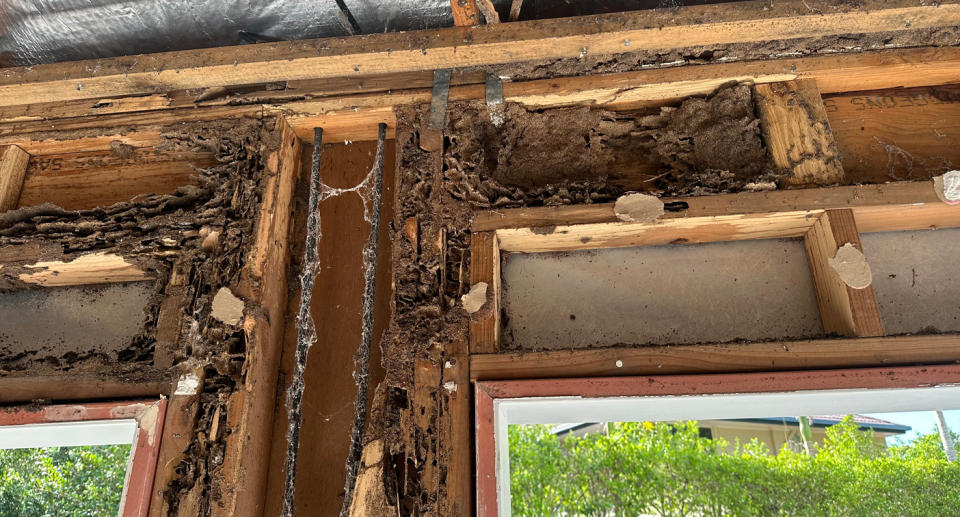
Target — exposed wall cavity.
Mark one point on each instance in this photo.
(915, 279)
(194, 243)
(68, 323)
(680, 294)
(535, 158)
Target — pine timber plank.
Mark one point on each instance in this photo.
(17, 388)
(338, 289)
(77, 181)
(92, 268)
(458, 436)
(485, 267)
(797, 132)
(719, 358)
(251, 409)
(457, 47)
(690, 230)
(354, 117)
(844, 311)
(897, 134)
(271, 93)
(872, 203)
(488, 10)
(43, 144)
(515, 7)
(13, 168)
(464, 13)
(178, 429)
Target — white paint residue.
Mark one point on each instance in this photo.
(128, 411)
(948, 187)
(638, 208)
(450, 386)
(64, 413)
(148, 422)
(852, 267)
(189, 384)
(227, 307)
(476, 298)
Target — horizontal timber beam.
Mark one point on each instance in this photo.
(16, 388)
(457, 47)
(728, 358)
(692, 230)
(355, 117)
(92, 268)
(873, 204)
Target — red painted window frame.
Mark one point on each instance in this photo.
(136, 502)
(486, 392)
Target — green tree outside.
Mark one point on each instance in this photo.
(668, 470)
(62, 481)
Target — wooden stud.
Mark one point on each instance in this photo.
(13, 169)
(797, 132)
(718, 358)
(464, 13)
(843, 310)
(488, 10)
(515, 7)
(485, 267)
(457, 47)
(459, 436)
(177, 434)
(251, 409)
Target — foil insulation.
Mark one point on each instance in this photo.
(48, 31)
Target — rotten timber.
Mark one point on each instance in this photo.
(456, 47)
(250, 409)
(797, 132)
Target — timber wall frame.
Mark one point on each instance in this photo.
(349, 85)
(250, 410)
(826, 218)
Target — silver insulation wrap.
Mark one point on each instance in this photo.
(47, 31)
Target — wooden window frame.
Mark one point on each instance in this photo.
(488, 393)
(149, 414)
(826, 218)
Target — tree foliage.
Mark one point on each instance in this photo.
(669, 470)
(62, 481)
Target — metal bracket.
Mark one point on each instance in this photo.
(495, 99)
(438, 100)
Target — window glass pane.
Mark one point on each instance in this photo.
(63, 481)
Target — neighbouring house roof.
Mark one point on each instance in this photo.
(865, 423)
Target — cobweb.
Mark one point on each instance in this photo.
(369, 190)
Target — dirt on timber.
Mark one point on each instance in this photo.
(535, 158)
